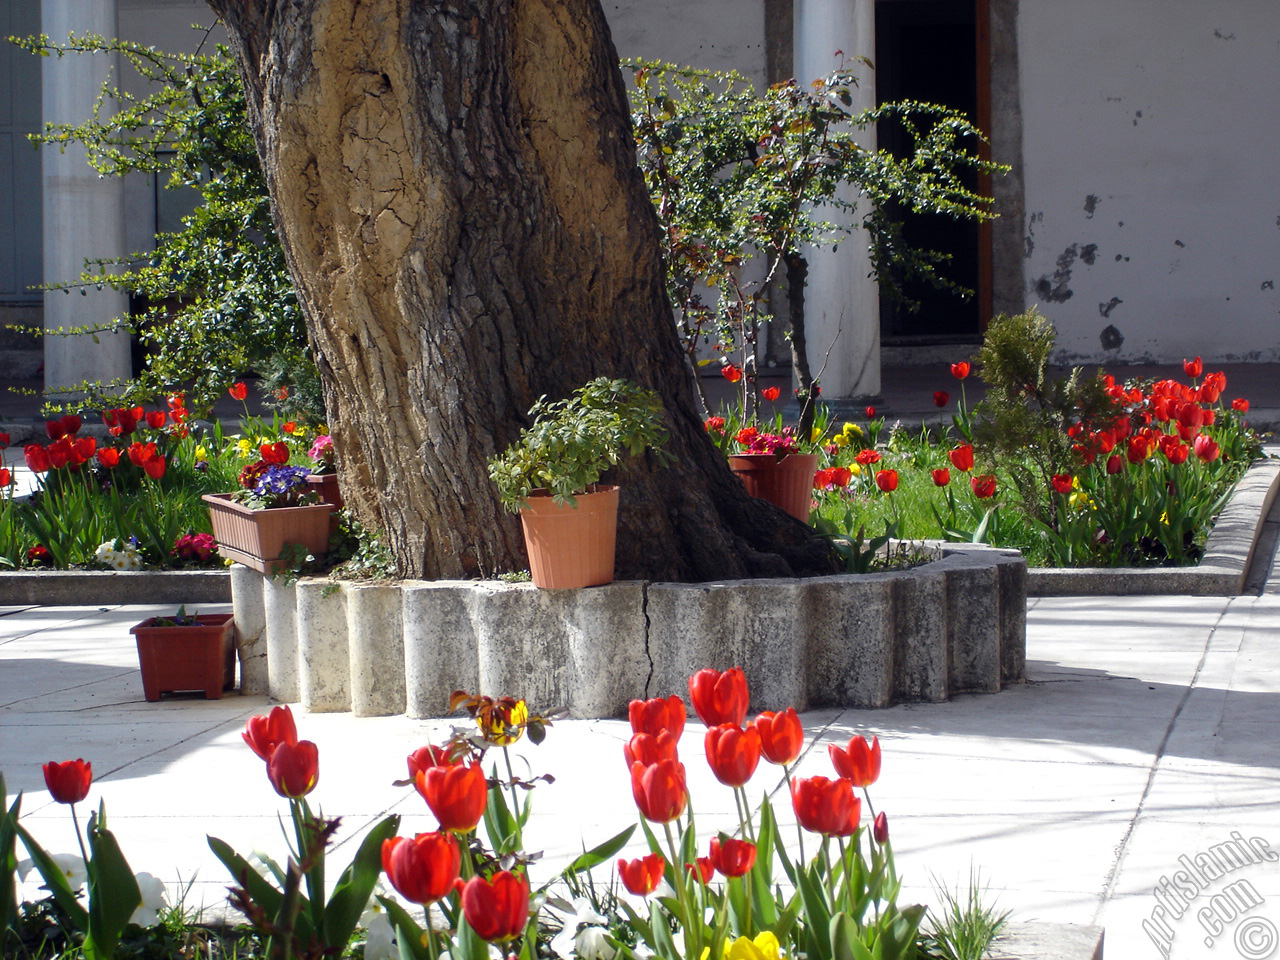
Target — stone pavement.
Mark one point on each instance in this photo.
(1149, 731)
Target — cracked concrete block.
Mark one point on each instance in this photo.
(605, 636)
(919, 614)
(440, 653)
(251, 623)
(375, 632)
(973, 625)
(1011, 569)
(280, 604)
(324, 665)
(852, 641)
(759, 625)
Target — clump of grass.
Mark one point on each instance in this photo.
(963, 928)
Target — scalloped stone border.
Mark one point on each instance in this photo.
(955, 624)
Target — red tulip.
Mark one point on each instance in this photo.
(781, 735)
(1061, 482)
(870, 412)
(456, 794)
(4, 440)
(55, 429)
(1207, 448)
(423, 869)
(641, 876)
(654, 716)
(37, 458)
(702, 868)
(1192, 368)
(984, 486)
(6, 477)
(277, 452)
(68, 782)
(713, 424)
(659, 790)
(731, 373)
(962, 457)
(770, 393)
(647, 749)
(941, 477)
(294, 768)
(733, 753)
(154, 467)
(1115, 464)
(60, 453)
(156, 419)
(940, 398)
(859, 762)
(867, 457)
(1138, 449)
(238, 391)
(960, 370)
(887, 480)
(840, 476)
(826, 806)
(424, 758)
(732, 858)
(498, 909)
(880, 829)
(1175, 452)
(1239, 404)
(109, 457)
(719, 697)
(264, 733)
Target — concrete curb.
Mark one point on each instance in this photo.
(84, 588)
(1222, 573)
(955, 624)
(1047, 941)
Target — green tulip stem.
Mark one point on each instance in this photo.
(429, 934)
(468, 868)
(84, 854)
(786, 772)
(515, 803)
(844, 867)
(690, 924)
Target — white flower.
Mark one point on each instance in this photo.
(380, 935)
(589, 943)
(153, 899)
(71, 865)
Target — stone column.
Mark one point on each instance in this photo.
(842, 303)
(83, 213)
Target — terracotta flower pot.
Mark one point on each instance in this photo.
(256, 538)
(198, 657)
(325, 485)
(787, 483)
(571, 547)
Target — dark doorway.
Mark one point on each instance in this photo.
(926, 50)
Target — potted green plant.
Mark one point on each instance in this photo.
(551, 477)
(195, 651)
(274, 508)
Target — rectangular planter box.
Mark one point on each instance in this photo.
(200, 657)
(256, 538)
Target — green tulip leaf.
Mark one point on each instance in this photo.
(409, 935)
(55, 880)
(113, 890)
(599, 853)
(355, 886)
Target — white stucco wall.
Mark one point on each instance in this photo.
(709, 34)
(1152, 184)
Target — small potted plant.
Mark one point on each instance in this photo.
(195, 651)
(775, 464)
(274, 507)
(551, 476)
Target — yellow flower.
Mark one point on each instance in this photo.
(764, 947)
(1164, 517)
(1082, 501)
(321, 429)
(202, 453)
(852, 430)
(840, 440)
(815, 434)
(855, 469)
(503, 722)
(244, 447)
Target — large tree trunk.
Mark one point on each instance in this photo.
(454, 183)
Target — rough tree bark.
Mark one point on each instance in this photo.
(454, 183)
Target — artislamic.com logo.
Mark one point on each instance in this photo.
(1188, 891)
